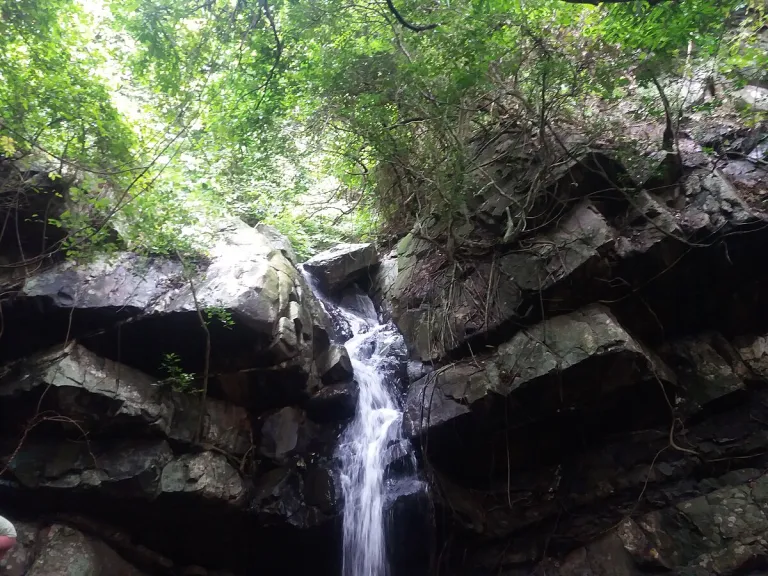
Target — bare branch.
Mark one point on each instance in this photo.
(407, 24)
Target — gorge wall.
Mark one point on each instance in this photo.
(588, 395)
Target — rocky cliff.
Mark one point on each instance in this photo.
(112, 462)
(589, 394)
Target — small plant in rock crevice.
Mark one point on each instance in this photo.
(220, 314)
(177, 379)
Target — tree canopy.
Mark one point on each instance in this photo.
(330, 119)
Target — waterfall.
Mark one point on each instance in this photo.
(377, 465)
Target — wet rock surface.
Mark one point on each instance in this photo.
(334, 402)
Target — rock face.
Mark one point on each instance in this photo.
(588, 387)
(439, 312)
(341, 265)
(334, 365)
(383, 282)
(60, 549)
(597, 247)
(334, 402)
(722, 532)
(564, 362)
(589, 391)
(98, 392)
(102, 419)
(136, 310)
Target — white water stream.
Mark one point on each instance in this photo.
(367, 445)
(363, 447)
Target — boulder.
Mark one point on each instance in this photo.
(132, 548)
(128, 468)
(708, 370)
(681, 258)
(19, 559)
(399, 460)
(206, 475)
(580, 371)
(660, 172)
(120, 286)
(37, 197)
(712, 203)
(225, 426)
(723, 533)
(570, 179)
(283, 433)
(334, 402)
(408, 525)
(263, 389)
(601, 483)
(334, 365)
(93, 390)
(64, 550)
(104, 396)
(321, 490)
(280, 498)
(134, 468)
(258, 309)
(416, 369)
(650, 232)
(279, 241)
(342, 265)
(754, 351)
(558, 364)
(383, 283)
(684, 234)
(69, 547)
(441, 307)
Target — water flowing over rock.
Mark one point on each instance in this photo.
(372, 488)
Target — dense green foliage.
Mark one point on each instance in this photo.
(330, 120)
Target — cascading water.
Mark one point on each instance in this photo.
(371, 447)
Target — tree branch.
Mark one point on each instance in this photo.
(407, 24)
